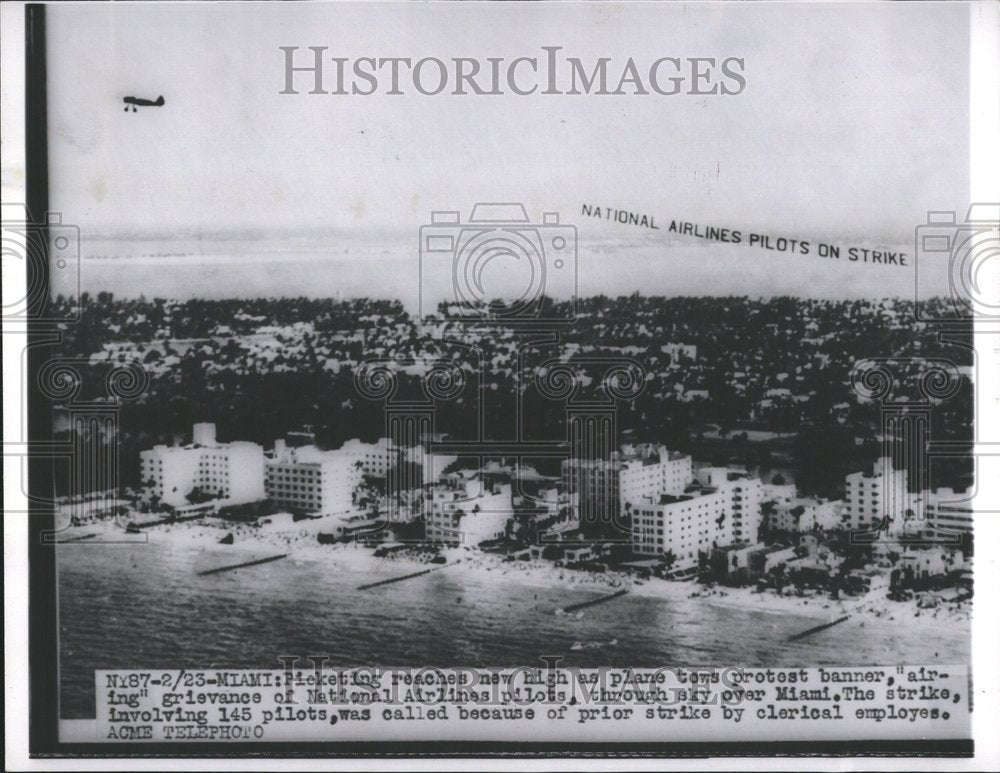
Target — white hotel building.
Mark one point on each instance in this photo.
(608, 488)
(376, 458)
(804, 514)
(945, 510)
(316, 481)
(230, 472)
(747, 495)
(648, 470)
(882, 494)
(309, 479)
(467, 511)
(379, 458)
(683, 524)
(724, 507)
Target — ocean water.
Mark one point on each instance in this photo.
(144, 606)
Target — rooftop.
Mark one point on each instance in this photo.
(734, 546)
(669, 499)
(775, 548)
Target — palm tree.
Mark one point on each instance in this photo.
(197, 496)
(669, 559)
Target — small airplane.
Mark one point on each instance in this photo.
(137, 102)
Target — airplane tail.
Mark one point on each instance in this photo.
(159, 101)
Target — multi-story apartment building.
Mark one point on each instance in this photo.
(312, 480)
(722, 508)
(380, 458)
(304, 477)
(648, 470)
(746, 494)
(878, 499)
(610, 488)
(230, 472)
(375, 459)
(468, 510)
(946, 511)
(595, 482)
(803, 514)
(683, 524)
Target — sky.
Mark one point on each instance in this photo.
(853, 124)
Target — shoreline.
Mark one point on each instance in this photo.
(298, 542)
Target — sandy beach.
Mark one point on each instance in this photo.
(297, 540)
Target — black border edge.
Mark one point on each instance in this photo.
(43, 634)
(920, 748)
(43, 656)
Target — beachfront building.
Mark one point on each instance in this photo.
(649, 470)
(303, 477)
(312, 480)
(230, 472)
(731, 563)
(946, 511)
(771, 557)
(746, 495)
(468, 509)
(878, 499)
(379, 459)
(805, 514)
(610, 488)
(921, 563)
(432, 465)
(683, 524)
(374, 459)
